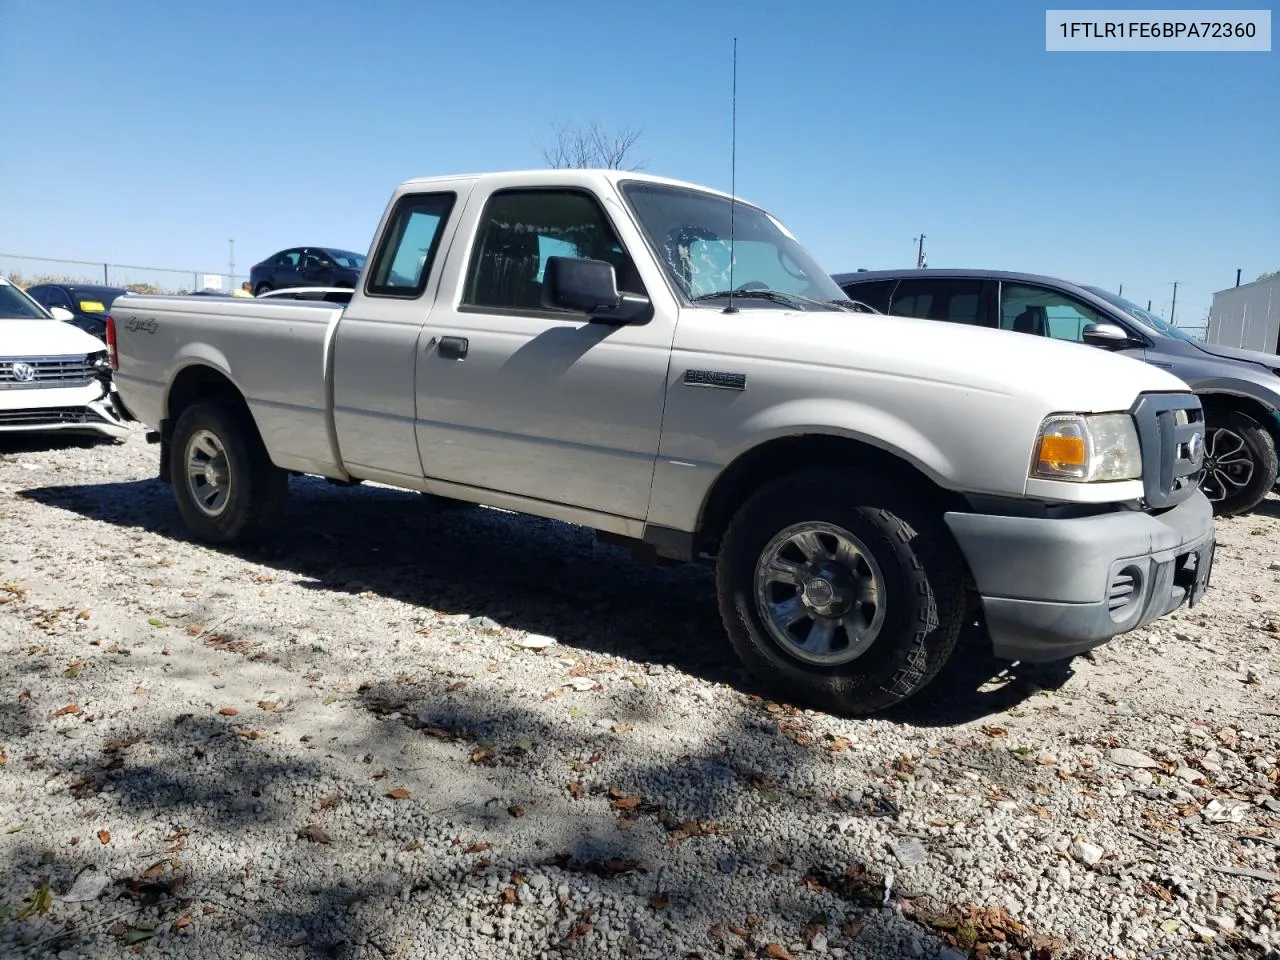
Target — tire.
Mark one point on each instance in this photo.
(909, 631)
(261, 288)
(1240, 462)
(224, 438)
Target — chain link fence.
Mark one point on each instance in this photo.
(27, 271)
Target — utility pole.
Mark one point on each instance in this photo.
(1173, 310)
(231, 264)
(1148, 306)
(1121, 293)
(1237, 276)
(920, 252)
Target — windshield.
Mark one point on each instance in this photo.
(689, 229)
(354, 261)
(16, 305)
(1145, 317)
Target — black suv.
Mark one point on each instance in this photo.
(1240, 389)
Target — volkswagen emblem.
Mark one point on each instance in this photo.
(1195, 446)
(23, 372)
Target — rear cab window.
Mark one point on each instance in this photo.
(408, 246)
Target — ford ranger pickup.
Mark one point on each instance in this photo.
(668, 365)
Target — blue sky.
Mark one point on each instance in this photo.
(156, 131)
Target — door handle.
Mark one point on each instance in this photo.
(452, 348)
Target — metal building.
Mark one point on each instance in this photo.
(1247, 316)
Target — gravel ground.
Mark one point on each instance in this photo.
(407, 731)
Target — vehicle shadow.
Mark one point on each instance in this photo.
(212, 792)
(16, 443)
(525, 573)
(1269, 507)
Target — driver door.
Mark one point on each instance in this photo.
(524, 399)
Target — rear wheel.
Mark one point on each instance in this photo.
(840, 592)
(261, 288)
(226, 487)
(1239, 462)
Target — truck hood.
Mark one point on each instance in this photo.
(1269, 360)
(1058, 375)
(45, 338)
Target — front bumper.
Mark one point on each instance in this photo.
(89, 409)
(1055, 588)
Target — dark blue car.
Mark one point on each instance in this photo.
(306, 267)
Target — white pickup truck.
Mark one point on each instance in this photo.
(670, 367)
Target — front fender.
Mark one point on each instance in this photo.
(853, 421)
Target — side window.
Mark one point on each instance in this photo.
(941, 298)
(1044, 313)
(57, 298)
(39, 294)
(874, 293)
(402, 262)
(521, 229)
(289, 258)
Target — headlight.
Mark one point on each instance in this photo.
(1087, 449)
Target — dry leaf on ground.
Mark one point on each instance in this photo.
(315, 833)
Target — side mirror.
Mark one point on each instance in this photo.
(62, 313)
(590, 287)
(1105, 335)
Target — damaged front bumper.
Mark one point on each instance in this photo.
(91, 409)
(1053, 588)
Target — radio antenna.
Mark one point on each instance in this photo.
(733, 169)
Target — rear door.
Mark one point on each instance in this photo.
(951, 299)
(317, 269)
(376, 356)
(285, 269)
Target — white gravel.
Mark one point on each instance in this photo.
(202, 750)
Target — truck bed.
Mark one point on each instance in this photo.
(274, 351)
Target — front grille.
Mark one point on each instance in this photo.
(1171, 435)
(43, 416)
(18, 372)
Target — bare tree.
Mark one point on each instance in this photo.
(593, 146)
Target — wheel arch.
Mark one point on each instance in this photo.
(197, 382)
(1250, 407)
(779, 456)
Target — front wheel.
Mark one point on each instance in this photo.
(261, 288)
(1239, 462)
(226, 487)
(839, 591)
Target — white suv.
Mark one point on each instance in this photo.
(53, 376)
